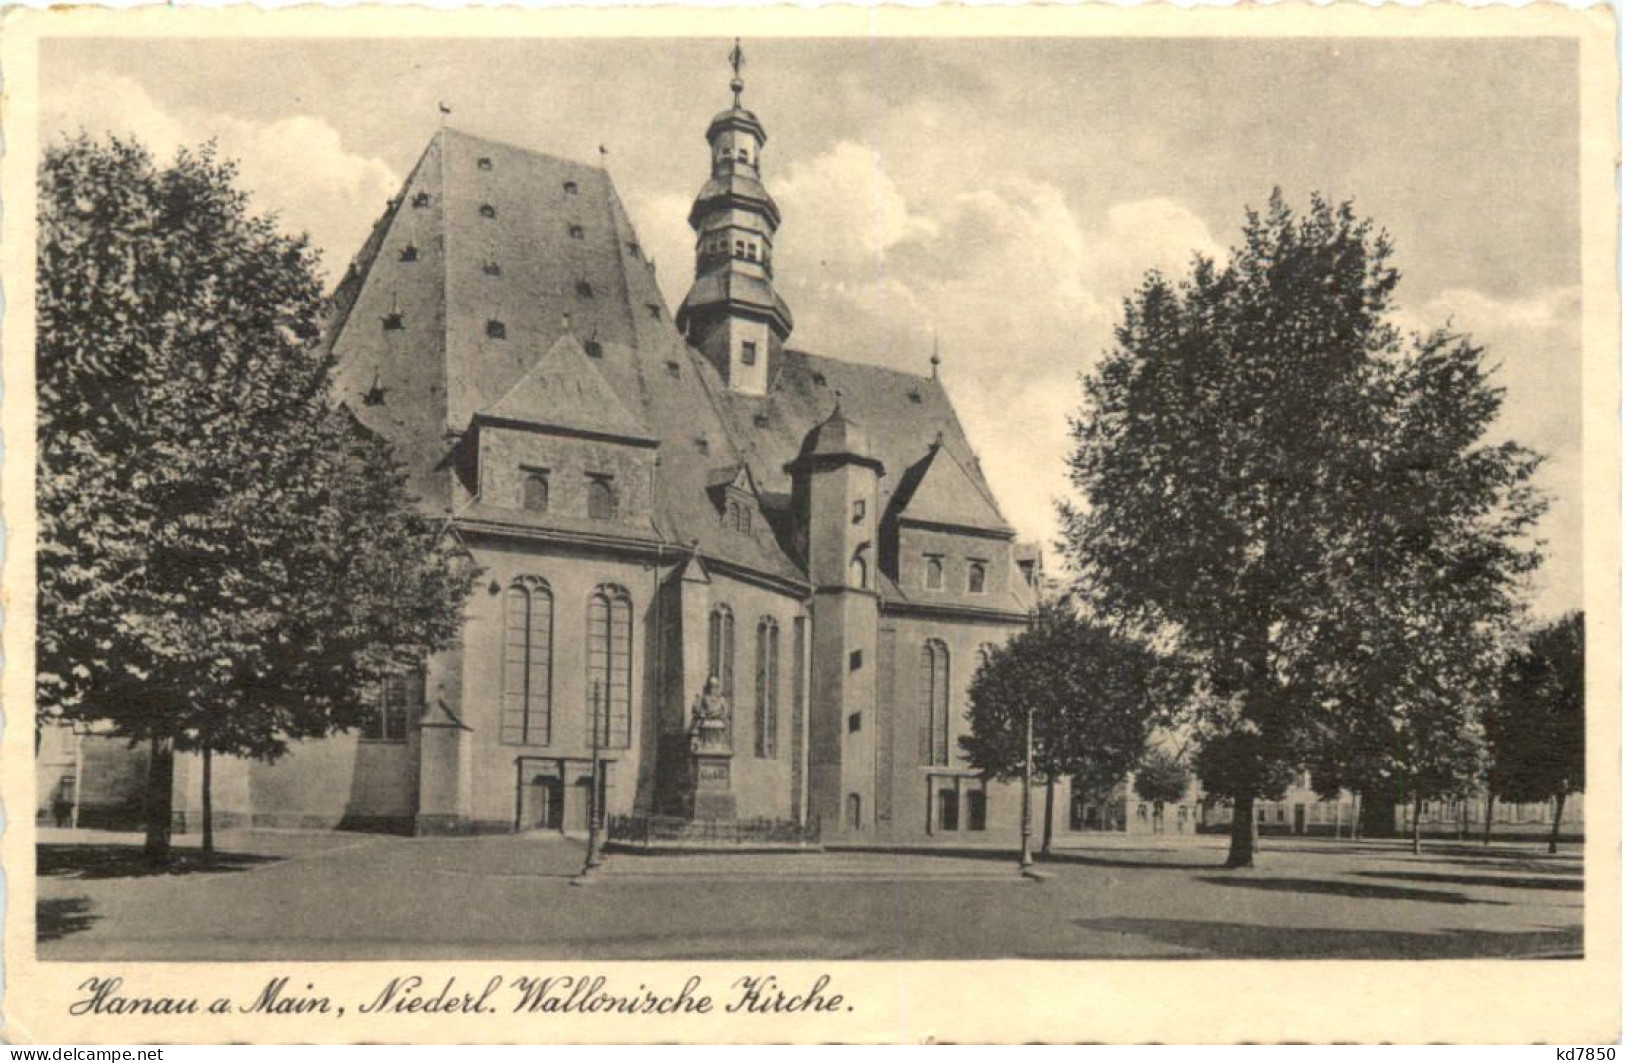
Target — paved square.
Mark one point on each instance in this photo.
(307, 896)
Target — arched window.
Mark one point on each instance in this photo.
(534, 493)
(859, 569)
(976, 578)
(609, 666)
(933, 573)
(934, 702)
(767, 687)
(854, 812)
(720, 651)
(984, 654)
(527, 663)
(601, 497)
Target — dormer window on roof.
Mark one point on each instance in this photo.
(818, 378)
(593, 348)
(702, 444)
(674, 370)
(496, 330)
(487, 211)
(570, 188)
(577, 233)
(409, 253)
(584, 289)
(484, 163)
(914, 395)
(420, 200)
(394, 320)
(654, 310)
(491, 268)
(633, 249)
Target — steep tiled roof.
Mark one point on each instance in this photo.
(901, 414)
(939, 490)
(564, 390)
(485, 232)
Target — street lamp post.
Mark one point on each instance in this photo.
(1027, 798)
(595, 807)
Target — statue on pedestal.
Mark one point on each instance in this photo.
(708, 728)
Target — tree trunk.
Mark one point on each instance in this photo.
(1489, 814)
(159, 800)
(208, 802)
(1243, 833)
(1557, 822)
(1354, 823)
(1416, 825)
(1049, 816)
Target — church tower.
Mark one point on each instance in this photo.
(834, 496)
(732, 314)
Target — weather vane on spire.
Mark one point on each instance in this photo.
(736, 59)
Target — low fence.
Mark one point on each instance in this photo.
(639, 829)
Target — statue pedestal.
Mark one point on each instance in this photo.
(712, 773)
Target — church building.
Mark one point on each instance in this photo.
(767, 574)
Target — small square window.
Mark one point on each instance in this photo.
(570, 188)
(634, 249)
(394, 320)
(702, 444)
(496, 330)
(761, 418)
(420, 200)
(653, 309)
(583, 289)
(409, 253)
(484, 163)
(593, 348)
(487, 211)
(818, 378)
(492, 269)
(860, 509)
(854, 723)
(914, 395)
(577, 233)
(747, 352)
(674, 370)
(854, 660)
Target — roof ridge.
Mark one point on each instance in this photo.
(464, 134)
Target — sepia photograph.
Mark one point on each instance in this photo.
(810, 498)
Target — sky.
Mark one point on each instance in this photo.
(998, 198)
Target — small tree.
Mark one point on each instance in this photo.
(1162, 778)
(1093, 696)
(226, 563)
(1536, 729)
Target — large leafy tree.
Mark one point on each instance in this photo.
(1094, 697)
(1161, 778)
(1536, 729)
(1258, 455)
(226, 562)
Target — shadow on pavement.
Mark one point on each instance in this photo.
(1547, 882)
(128, 861)
(1235, 940)
(1334, 888)
(57, 917)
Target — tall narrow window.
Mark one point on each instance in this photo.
(609, 667)
(767, 688)
(399, 700)
(858, 575)
(601, 497)
(933, 573)
(976, 578)
(527, 664)
(534, 492)
(720, 651)
(934, 702)
(747, 352)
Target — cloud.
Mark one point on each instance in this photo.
(295, 166)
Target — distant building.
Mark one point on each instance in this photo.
(655, 499)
